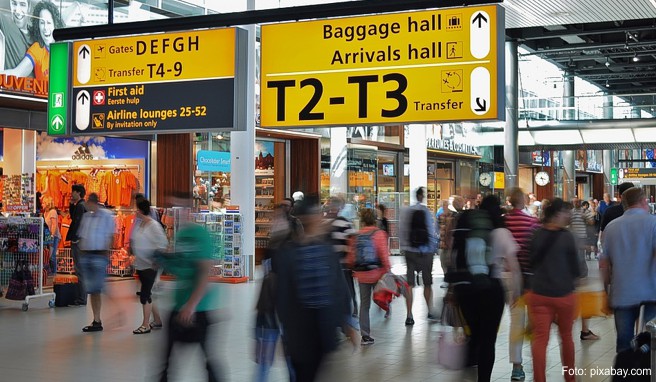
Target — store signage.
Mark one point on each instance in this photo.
(636, 173)
(214, 161)
(451, 145)
(613, 176)
(428, 66)
(58, 99)
(499, 181)
(362, 164)
(82, 153)
(159, 83)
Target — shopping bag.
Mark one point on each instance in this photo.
(451, 313)
(592, 304)
(385, 290)
(452, 349)
(266, 340)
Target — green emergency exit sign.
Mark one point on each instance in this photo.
(58, 88)
(613, 176)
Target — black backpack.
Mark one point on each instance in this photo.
(418, 229)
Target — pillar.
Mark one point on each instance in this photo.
(511, 130)
(13, 152)
(242, 154)
(418, 159)
(569, 167)
(338, 162)
(607, 155)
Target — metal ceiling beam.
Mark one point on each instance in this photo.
(307, 12)
(564, 33)
(590, 57)
(580, 47)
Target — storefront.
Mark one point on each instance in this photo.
(453, 165)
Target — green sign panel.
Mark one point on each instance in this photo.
(613, 176)
(58, 91)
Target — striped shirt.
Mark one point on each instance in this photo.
(341, 230)
(522, 227)
(578, 224)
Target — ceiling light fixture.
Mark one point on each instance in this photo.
(635, 57)
(608, 61)
(607, 84)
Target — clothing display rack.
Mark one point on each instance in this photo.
(21, 242)
(92, 167)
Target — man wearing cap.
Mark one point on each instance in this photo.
(96, 236)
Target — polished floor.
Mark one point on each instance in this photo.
(48, 345)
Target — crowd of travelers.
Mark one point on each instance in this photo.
(532, 256)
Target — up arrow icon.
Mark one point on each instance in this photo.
(480, 18)
(84, 51)
(57, 122)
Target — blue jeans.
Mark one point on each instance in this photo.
(625, 320)
(53, 254)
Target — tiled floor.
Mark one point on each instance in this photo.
(47, 345)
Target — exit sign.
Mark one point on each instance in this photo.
(613, 176)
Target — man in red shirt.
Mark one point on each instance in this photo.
(522, 226)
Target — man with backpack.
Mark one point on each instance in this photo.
(418, 244)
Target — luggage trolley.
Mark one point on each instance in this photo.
(21, 239)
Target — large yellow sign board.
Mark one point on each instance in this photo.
(155, 58)
(429, 66)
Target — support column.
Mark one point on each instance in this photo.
(607, 155)
(29, 152)
(13, 152)
(511, 130)
(418, 159)
(569, 167)
(242, 154)
(338, 161)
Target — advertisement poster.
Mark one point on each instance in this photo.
(264, 158)
(26, 32)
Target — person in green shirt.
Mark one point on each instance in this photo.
(195, 299)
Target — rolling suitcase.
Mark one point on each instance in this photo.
(65, 288)
(630, 364)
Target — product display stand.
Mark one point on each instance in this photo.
(21, 240)
(225, 231)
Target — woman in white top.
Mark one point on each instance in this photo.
(147, 238)
(52, 220)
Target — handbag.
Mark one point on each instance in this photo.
(17, 289)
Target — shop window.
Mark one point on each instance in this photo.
(211, 186)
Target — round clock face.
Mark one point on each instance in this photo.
(485, 179)
(542, 178)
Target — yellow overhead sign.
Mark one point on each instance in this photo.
(429, 66)
(155, 58)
